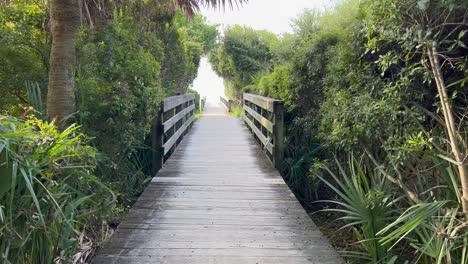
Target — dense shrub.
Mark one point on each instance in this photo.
(117, 104)
(243, 54)
(24, 52)
(50, 197)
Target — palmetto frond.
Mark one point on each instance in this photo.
(191, 7)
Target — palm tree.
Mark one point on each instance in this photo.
(64, 20)
(65, 17)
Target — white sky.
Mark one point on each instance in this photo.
(272, 15)
(208, 83)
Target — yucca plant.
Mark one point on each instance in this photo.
(436, 233)
(49, 194)
(436, 229)
(366, 206)
(433, 231)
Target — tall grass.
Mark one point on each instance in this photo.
(50, 199)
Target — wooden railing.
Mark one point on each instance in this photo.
(227, 103)
(172, 122)
(265, 117)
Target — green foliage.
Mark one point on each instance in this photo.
(384, 228)
(117, 107)
(236, 111)
(197, 99)
(50, 194)
(355, 79)
(199, 31)
(366, 206)
(178, 69)
(118, 94)
(34, 96)
(222, 63)
(276, 84)
(184, 42)
(243, 54)
(303, 152)
(24, 51)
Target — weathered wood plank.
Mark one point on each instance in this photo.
(274, 108)
(124, 259)
(248, 252)
(174, 101)
(270, 228)
(217, 199)
(262, 101)
(170, 143)
(158, 244)
(171, 122)
(265, 142)
(263, 121)
(245, 221)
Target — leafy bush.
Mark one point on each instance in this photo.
(118, 86)
(243, 54)
(277, 84)
(50, 198)
(24, 51)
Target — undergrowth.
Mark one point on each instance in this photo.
(51, 201)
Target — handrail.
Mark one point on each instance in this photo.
(172, 122)
(227, 103)
(265, 118)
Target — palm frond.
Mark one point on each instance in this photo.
(191, 7)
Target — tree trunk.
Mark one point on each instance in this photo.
(454, 139)
(65, 22)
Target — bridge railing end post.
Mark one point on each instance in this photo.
(230, 105)
(157, 140)
(278, 135)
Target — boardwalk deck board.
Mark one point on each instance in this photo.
(218, 199)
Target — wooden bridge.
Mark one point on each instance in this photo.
(218, 198)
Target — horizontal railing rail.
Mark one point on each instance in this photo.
(227, 103)
(265, 118)
(171, 124)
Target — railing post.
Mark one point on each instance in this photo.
(227, 103)
(202, 103)
(157, 137)
(278, 133)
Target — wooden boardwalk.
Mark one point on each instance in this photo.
(217, 200)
